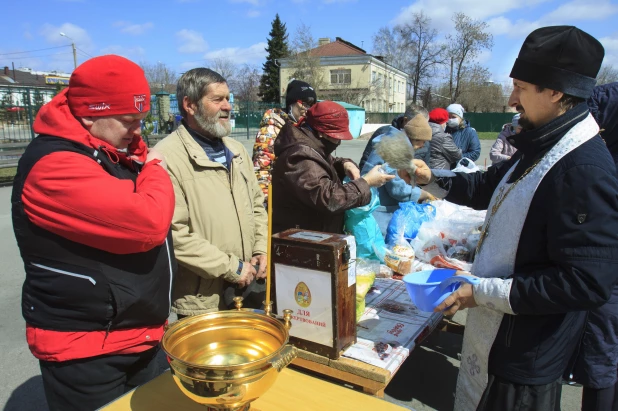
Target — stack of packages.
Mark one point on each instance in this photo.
(263, 149)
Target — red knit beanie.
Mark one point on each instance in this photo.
(438, 116)
(108, 85)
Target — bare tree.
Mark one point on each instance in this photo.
(306, 65)
(389, 44)
(224, 66)
(608, 74)
(160, 76)
(470, 38)
(248, 84)
(424, 52)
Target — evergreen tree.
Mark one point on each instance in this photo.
(277, 49)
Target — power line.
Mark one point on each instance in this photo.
(45, 55)
(83, 52)
(33, 51)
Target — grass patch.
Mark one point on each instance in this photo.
(7, 174)
(488, 135)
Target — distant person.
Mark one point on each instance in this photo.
(396, 191)
(443, 152)
(421, 153)
(465, 137)
(299, 97)
(502, 150)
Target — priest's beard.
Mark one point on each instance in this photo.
(211, 126)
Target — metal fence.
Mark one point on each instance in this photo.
(18, 109)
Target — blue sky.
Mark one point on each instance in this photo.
(187, 33)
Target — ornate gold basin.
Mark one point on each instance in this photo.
(227, 359)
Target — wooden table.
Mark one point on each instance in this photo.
(373, 379)
(292, 391)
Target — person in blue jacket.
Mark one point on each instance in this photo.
(465, 137)
(397, 191)
(421, 153)
(596, 364)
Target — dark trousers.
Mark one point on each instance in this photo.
(605, 399)
(504, 395)
(90, 383)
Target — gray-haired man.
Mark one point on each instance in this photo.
(219, 224)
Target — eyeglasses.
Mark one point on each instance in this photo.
(303, 104)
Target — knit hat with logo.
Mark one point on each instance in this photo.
(108, 85)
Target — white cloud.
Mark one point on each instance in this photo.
(611, 50)
(79, 35)
(135, 29)
(253, 14)
(581, 10)
(191, 41)
(252, 54)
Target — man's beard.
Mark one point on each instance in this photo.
(211, 125)
(524, 122)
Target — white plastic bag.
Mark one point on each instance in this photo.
(465, 165)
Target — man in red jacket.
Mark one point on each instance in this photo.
(92, 209)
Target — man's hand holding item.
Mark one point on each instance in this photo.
(260, 261)
(247, 274)
(376, 178)
(423, 173)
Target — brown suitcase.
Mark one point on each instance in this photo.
(310, 276)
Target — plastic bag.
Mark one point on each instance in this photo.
(465, 165)
(450, 240)
(360, 223)
(399, 257)
(407, 220)
(366, 271)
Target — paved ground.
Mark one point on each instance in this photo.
(425, 382)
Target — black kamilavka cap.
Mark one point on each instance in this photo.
(561, 58)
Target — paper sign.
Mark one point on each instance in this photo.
(308, 293)
(317, 237)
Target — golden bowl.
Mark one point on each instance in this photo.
(227, 359)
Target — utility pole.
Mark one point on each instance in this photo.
(74, 49)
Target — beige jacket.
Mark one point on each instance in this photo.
(217, 220)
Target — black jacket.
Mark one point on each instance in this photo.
(596, 364)
(74, 287)
(567, 258)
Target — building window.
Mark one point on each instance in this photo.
(373, 76)
(341, 76)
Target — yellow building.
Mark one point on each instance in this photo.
(339, 70)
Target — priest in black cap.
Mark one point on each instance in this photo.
(548, 249)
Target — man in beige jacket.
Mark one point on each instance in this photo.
(220, 224)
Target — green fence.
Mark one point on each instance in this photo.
(488, 121)
(482, 122)
(18, 109)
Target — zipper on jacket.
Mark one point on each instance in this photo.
(169, 261)
(231, 174)
(509, 330)
(56, 270)
(109, 325)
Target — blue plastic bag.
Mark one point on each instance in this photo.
(407, 220)
(363, 226)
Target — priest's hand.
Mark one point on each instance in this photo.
(462, 298)
(423, 173)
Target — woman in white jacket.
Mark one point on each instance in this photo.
(502, 150)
